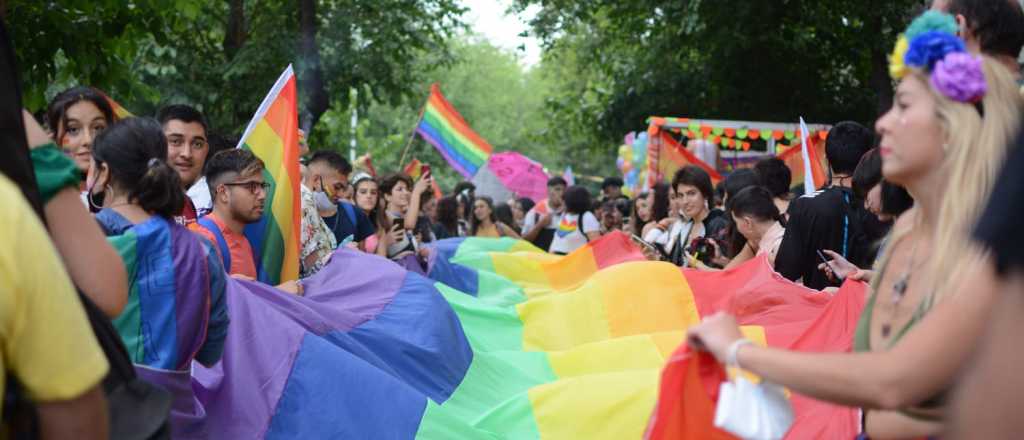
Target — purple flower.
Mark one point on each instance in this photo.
(930, 47)
(959, 76)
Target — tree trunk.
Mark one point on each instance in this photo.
(236, 33)
(310, 70)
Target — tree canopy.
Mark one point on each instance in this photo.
(607, 65)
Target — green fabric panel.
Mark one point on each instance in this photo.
(438, 424)
(487, 327)
(514, 418)
(492, 378)
(129, 322)
(54, 171)
(497, 290)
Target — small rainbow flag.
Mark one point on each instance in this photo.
(667, 156)
(415, 170)
(443, 127)
(119, 111)
(273, 136)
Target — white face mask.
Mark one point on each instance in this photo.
(323, 201)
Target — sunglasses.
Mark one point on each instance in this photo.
(253, 187)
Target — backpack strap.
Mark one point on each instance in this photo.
(351, 212)
(225, 253)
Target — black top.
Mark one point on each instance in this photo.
(831, 218)
(999, 227)
(342, 224)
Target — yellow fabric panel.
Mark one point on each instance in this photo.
(610, 406)
(571, 270)
(668, 342)
(526, 272)
(565, 320)
(645, 297)
(620, 354)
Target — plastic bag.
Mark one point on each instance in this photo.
(753, 411)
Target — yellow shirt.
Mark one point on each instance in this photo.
(46, 342)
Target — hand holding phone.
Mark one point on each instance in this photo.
(829, 269)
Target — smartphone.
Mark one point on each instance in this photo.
(425, 170)
(830, 266)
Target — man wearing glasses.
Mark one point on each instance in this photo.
(187, 149)
(238, 192)
(327, 174)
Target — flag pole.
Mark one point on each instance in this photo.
(412, 136)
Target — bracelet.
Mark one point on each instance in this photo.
(734, 349)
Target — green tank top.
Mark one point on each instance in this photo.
(862, 343)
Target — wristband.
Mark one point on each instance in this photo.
(734, 348)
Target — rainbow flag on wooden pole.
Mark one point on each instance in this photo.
(273, 136)
(443, 127)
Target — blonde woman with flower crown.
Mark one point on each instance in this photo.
(944, 140)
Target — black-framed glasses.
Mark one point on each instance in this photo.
(253, 187)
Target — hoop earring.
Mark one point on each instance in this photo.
(92, 203)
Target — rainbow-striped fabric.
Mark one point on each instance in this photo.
(273, 136)
(500, 342)
(119, 111)
(443, 127)
(666, 156)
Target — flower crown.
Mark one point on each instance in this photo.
(931, 44)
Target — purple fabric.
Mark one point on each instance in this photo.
(192, 275)
(412, 264)
(352, 289)
(188, 417)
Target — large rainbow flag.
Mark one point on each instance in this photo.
(443, 127)
(500, 342)
(273, 136)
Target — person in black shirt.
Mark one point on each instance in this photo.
(328, 172)
(830, 218)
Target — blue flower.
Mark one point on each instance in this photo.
(930, 47)
(931, 21)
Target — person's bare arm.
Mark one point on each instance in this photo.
(413, 213)
(542, 223)
(94, 265)
(82, 418)
(922, 364)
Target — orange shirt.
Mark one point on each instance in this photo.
(242, 262)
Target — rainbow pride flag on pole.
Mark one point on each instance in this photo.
(502, 341)
(273, 136)
(443, 127)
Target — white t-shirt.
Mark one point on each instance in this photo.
(570, 235)
(200, 195)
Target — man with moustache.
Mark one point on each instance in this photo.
(187, 149)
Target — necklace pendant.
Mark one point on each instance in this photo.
(899, 288)
(885, 330)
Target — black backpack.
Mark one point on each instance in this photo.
(138, 409)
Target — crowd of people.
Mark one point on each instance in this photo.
(898, 211)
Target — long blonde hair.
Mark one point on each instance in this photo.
(975, 149)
